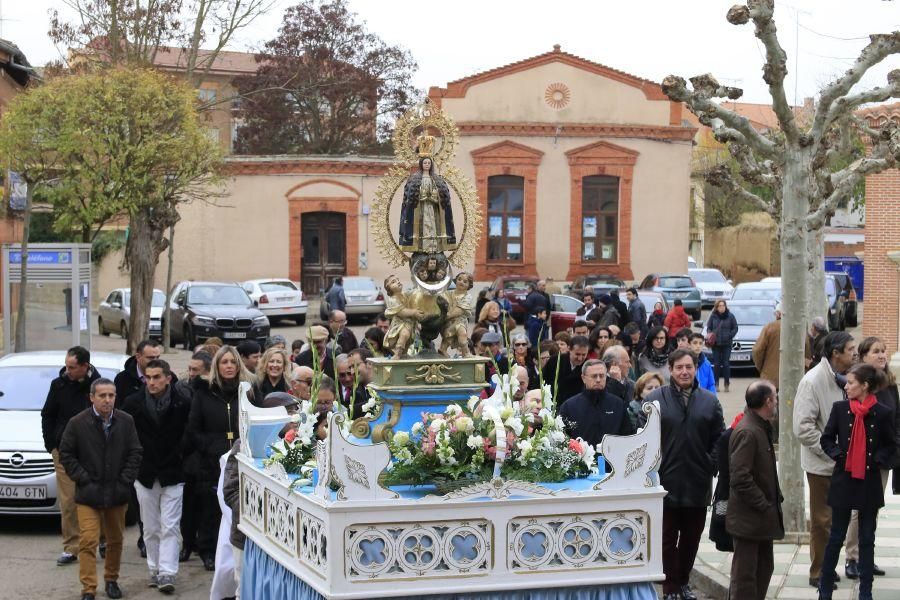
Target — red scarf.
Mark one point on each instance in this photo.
(856, 453)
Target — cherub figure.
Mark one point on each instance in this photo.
(460, 307)
(403, 315)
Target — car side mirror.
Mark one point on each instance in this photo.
(256, 303)
(115, 304)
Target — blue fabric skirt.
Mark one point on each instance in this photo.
(263, 578)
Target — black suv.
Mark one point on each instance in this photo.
(845, 285)
(204, 309)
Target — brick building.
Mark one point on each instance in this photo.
(882, 250)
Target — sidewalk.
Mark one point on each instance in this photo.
(791, 578)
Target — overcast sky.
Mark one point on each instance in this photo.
(648, 38)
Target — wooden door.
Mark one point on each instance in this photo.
(324, 239)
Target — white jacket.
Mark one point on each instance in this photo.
(817, 392)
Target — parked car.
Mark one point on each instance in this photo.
(599, 284)
(751, 317)
(712, 284)
(770, 288)
(364, 297)
(675, 286)
(204, 309)
(114, 313)
(692, 264)
(563, 315)
(650, 298)
(277, 299)
(845, 285)
(516, 287)
(767, 289)
(27, 477)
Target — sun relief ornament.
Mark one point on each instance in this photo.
(557, 96)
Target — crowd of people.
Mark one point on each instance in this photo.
(167, 444)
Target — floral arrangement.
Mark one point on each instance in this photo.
(488, 438)
(296, 450)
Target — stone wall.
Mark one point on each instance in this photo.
(745, 252)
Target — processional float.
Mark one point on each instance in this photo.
(439, 488)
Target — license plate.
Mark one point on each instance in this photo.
(285, 299)
(235, 335)
(740, 356)
(24, 492)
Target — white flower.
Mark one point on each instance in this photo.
(446, 456)
(588, 453)
(437, 424)
(475, 442)
(473, 403)
(529, 417)
(515, 425)
(418, 427)
(506, 412)
(465, 424)
(401, 438)
(560, 424)
(280, 446)
(546, 415)
(295, 418)
(305, 432)
(370, 405)
(525, 447)
(557, 437)
(490, 413)
(404, 455)
(453, 409)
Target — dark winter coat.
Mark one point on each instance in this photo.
(326, 364)
(537, 301)
(610, 316)
(103, 468)
(593, 413)
(689, 437)
(335, 297)
(724, 326)
(346, 341)
(845, 491)
(621, 312)
(637, 313)
(65, 399)
(717, 529)
(212, 429)
(162, 439)
(656, 319)
(568, 383)
(231, 493)
(754, 503)
(890, 397)
(127, 382)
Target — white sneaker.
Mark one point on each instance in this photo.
(167, 584)
(153, 581)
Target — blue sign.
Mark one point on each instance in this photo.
(42, 258)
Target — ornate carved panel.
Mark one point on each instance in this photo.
(430, 549)
(281, 522)
(252, 507)
(313, 542)
(580, 541)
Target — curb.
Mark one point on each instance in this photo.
(709, 581)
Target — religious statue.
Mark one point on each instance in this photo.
(460, 307)
(404, 317)
(426, 217)
(425, 145)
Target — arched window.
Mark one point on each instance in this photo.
(599, 218)
(506, 199)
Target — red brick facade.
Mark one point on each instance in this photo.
(508, 158)
(601, 158)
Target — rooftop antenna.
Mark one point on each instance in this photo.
(797, 13)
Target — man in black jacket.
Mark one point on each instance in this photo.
(69, 394)
(131, 378)
(160, 416)
(537, 299)
(692, 422)
(567, 378)
(595, 412)
(101, 453)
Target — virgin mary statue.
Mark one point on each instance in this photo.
(426, 218)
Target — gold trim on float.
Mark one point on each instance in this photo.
(384, 431)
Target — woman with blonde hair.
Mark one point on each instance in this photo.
(493, 319)
(272, 374)
(645, 384)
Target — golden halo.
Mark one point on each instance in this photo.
(420, 119)
(557, 95)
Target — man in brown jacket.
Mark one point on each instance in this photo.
(754, 516)
(767, 350)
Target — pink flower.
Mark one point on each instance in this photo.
(490, 451)
(575, 446)
(428, 445)
(290, 436)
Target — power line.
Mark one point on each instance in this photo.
(833, 37)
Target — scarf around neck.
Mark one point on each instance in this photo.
(657, 358)
(856, 453)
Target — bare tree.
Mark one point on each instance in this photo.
(795, 163)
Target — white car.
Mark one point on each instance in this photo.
(114, 312)
(278, 299)
(364, 297)
(27, 477)
(712, 284)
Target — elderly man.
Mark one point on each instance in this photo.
(351, 392)
(818, 390)
(767, 351)
(618, 364)
(301, 382)
(692, 423)
(818, 329)
(595, 411)
(754, 516)
(359, 358)
(318, 341)
(340, 333)
(102, 454)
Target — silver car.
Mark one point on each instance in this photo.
(277, 299)
(364, 297)
(27, 477)
(114, 312)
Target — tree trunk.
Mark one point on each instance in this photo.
(20, 345)
(166, 336)
(145, 243)
(793, 328)
(817, 304)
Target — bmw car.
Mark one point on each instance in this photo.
(751, 317)
(27, 477)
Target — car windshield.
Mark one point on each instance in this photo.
(830, 291)
(517, 284)
(230, 295)
(712, 276)
(278, 286)
(359, 285)
(756, 293)
(592, 281)
(568, 304)
(159, 299)
(675, 282)
(25, 388)
(753, 315)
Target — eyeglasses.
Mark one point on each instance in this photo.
(521, 344)
(306, 381)
(344, 374)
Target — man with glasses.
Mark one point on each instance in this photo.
(352, 394)
(301, 382)
(595, 412)
(340, 333)
(564, 373)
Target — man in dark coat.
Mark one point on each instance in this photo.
(340, 334)
(621, 308)
(69, 394)
(692, 422)
(335, 296)
(131, 378)
(637, 312)
(102, 454)
(595, 412)
(537, 299)
(564, 372)
(160, 416)
(754, 516)
(318, 339)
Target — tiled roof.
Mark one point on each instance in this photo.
(226, 61)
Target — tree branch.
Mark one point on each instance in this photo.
(722, 178)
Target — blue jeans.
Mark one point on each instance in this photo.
(722, 363)
(840, 520)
